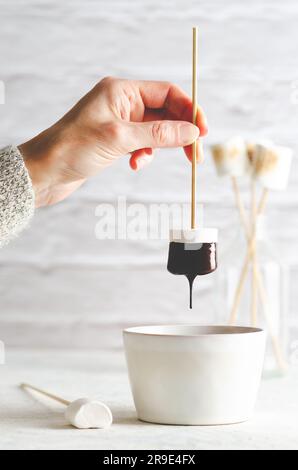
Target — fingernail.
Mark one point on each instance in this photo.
(188, 133)
(143, 161)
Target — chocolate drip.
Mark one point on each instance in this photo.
(192, 260)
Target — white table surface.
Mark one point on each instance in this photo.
(29, 422)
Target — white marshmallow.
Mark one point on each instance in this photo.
(231, 158)
(85, 413)
(251, 148)
(271, 165)
(200, 235)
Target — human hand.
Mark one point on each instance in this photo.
(115, 118)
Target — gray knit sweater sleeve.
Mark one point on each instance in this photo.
(16, 194)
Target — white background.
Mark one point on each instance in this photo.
(59, 286)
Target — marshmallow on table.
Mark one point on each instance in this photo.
(231, 157)
(83, 413)
(271, 165)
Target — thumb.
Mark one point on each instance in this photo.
(156, 134)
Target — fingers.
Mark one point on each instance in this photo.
(199, 153)
(202, 122)
(154, 114)
(155, 134)
(158, 134)
(172, 100)
(141, 158)
(141, 100)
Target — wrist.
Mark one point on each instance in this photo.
(38, 153)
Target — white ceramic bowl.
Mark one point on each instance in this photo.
(194, 375)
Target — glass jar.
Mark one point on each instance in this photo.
(256, 293)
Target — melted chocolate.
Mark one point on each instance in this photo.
(192, 260)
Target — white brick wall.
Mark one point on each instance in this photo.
(58, 284)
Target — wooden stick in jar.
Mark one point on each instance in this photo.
(254, 296)
(249, 254)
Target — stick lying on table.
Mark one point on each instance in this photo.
(83, 413)
(46, 394)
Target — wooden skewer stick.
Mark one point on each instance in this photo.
(238, 294)
(47, 394)
(194, 120)
(240, 206)
(98, 415)
(259, 282)
(250, 250)
(274, 339)
(263, 202)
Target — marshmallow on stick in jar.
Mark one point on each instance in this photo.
(231, 158)
(271, 165)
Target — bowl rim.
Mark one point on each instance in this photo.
(241, 330)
